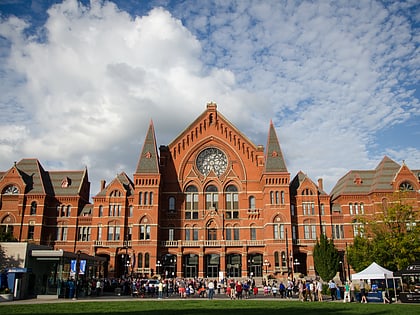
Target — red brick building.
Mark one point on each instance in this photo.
(209, 203)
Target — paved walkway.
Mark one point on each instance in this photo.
(123, 298)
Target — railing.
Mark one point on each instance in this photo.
(213, 243)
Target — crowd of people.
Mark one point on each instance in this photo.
(235, 289)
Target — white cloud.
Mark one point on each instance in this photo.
(331, 75)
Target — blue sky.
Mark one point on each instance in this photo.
(82, 80)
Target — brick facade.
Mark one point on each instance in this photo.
(210, 202)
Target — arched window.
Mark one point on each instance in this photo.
(278, 230)
(191, 203)
(212, 198)
(232, 199)
(151, 198)
(253, 232)
(140, 260)
(33, 208)
(283, 260)
(282, 197)
(276, 260)
(146, 260)
(406, 186)
(271, 197)
(11, 190)
(171, 204)
(251, 202)
(144, 230)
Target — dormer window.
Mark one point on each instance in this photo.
(357, 180)
(406, 186)
(66, 182)
(11, 190)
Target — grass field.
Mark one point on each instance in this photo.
(206, 307)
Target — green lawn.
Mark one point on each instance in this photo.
(206, 307)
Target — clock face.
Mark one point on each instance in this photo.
(211, 159)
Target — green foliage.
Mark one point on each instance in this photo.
(391, 237)
(359, 255)
(326, 258)
(6, 236)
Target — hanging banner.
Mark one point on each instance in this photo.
(82, 267)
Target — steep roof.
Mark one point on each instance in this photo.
(124, 181)
(299, 179)
(148, 160)
(211, 109)
(366, 181)
(53, 183)
(274, 155)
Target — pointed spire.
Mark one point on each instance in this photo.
(148, 161)
(274, 160)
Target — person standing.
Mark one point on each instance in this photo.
(333, 289)
(160, 290)
(363, 291)
(346, 293)
(211, 289)
(319, 291)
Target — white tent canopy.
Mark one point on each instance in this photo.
(374, 271)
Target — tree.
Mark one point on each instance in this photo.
(6, 236)
(390, 238)
(326, 258)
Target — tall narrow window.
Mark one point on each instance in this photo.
(276, 259)
(171, 204)
(212, 197)
(228, 233)
(147, 260)
(191, 203)
(252, 202)
(31, 231)
(151, 198)
(33, 208)
(232, 207)
(282, 198)
(140, 260)
(99, 232)
(101, 211)
(171, 234)
(236, 233)
(253, 232)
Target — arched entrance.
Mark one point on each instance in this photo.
(234, 265)
(190, 266)
(255, 262)
(169, 265)
(212, 265)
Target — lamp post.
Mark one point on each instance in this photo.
(79, 252)
(158, 265)
(127, 260)
(266, 264)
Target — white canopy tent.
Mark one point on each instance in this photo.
(374, 272)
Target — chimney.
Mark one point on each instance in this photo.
(103, 182)
(320, 184)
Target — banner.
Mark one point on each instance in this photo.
(82, 267)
